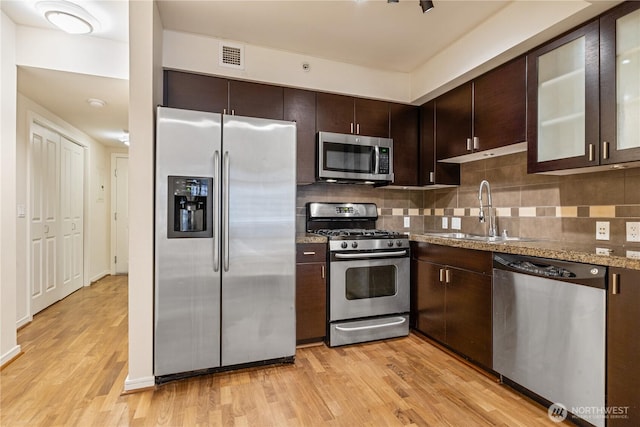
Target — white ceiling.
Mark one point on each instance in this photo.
(371, 33)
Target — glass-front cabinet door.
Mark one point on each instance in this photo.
(620, 84)
(563, 97)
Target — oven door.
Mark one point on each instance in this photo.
(364, 287)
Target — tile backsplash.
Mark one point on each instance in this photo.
(527, 205)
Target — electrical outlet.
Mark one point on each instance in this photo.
(445, 222)
(633, 254)
(407, 221)
(456, 223)
(633, 231)
(602, 230)
(603, 251)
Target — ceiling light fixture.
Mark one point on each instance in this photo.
(426, 5)
(67, 16)
(96, 103)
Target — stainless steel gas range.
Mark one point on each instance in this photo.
(369, 273)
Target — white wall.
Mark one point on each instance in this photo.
(41, 48)
(199, 54)
(9, 347)
(145, 92)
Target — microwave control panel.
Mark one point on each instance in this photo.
(383, 165)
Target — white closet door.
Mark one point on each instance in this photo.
(122, 215)
(71, 210)
(44, 218)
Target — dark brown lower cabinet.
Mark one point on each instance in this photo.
(311, 292)
(623, 348)
(452, 298)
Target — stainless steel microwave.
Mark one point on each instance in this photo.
(349, 158)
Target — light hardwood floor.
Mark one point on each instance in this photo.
(75, 362)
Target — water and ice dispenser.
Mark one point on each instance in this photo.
(190, 207)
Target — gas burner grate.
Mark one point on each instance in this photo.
(350, 232)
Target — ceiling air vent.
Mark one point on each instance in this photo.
(231, 55)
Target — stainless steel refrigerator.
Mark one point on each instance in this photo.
(224, 241)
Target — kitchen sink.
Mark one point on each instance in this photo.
(481, 238)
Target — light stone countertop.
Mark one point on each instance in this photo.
(565, 251)
(310, 238)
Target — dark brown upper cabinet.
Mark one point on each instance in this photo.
(433, 172)
(484, 114)
(454, 118)
(218, 95)
(255, 100)
(345, 114)
(620, 84)
(563, 102)
(405, 133)
(500, 106)
(300, 107)
(195, 92)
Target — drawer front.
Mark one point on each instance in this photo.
(466, 259)
(311, 252)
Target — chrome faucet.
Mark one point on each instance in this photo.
(493, 229)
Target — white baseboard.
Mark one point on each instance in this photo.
(100, 276)
(24, 321)
(139, 383)
(8, 356)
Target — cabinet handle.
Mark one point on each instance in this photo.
(468, 144)
(351, 127)
(224, 111)
(323, 272)
(447, 276)
(615, 283)
(592, 152)
(309, 253)
(358, 128)
(432, 177)
(605, 150)
(476, 143)
(442, 274)
(233, 112)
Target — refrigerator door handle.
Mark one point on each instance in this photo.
(216, 212)
(225, 210)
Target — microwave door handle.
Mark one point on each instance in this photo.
(376, 165)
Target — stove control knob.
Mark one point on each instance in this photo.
(398, 243)
(354, 245)
(390, 243)
(344, 245)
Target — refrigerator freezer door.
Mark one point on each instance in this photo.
(258, 291)
(187, 287)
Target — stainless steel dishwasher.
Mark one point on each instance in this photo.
(549, 331)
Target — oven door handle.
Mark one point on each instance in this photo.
(371, 255)
(399, 321)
